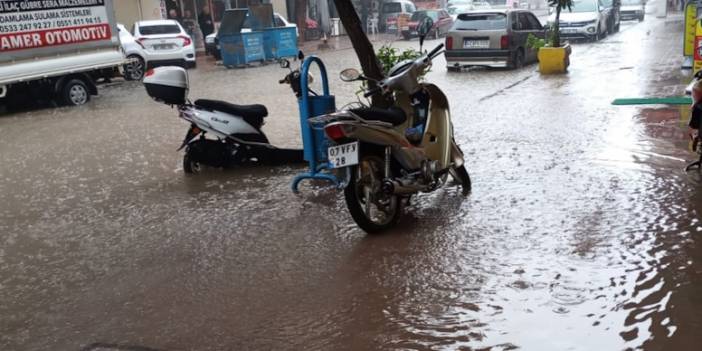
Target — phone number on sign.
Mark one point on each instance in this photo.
(10, 28)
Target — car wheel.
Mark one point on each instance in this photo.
(616, 28)
(136, 69)
(406, 36)
(518, 59)
(641, 18)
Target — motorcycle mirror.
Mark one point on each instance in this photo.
(350, 75)
(284, 63)
(423, 29)
(300, 55)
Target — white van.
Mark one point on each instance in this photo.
(390, 10)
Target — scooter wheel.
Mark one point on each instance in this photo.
(191, 166)
(364, 210)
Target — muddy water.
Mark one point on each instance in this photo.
(581, 233)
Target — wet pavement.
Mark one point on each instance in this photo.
(581, 233)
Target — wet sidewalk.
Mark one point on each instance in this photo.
(581, 233)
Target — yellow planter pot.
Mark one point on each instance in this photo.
(554, 60)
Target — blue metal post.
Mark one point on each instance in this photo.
(312, 106)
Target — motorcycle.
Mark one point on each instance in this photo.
(388, 155)
(237, 128)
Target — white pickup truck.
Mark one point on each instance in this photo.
(55, 49)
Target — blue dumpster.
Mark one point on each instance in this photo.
(280, 42)
(242, 48)
(239, 48)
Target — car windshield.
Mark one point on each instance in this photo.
(631, 2)
(419, 15)
(481, 21)
(606, 3)
(390, 7)
(584, 6)
(159, 29)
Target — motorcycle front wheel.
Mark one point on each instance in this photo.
(461, 176)
(371, 209)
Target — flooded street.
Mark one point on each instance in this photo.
(581, 233)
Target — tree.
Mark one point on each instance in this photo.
(559, 5)
(362, 46)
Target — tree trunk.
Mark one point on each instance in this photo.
(364, 49)
(301, 18)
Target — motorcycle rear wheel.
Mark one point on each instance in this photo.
(191, 166)
(363, 193)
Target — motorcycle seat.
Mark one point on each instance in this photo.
(393, 115)
(252, 114)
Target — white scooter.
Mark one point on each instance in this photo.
(237, 128)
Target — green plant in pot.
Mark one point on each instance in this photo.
(554, 56)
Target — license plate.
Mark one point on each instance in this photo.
(569, 30)
(476, 44)
(414, 32)
(163, 46)
(343, 155)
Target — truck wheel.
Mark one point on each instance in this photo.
(518, 59)
(75, 92)
(136, 69)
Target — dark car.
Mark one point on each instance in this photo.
(614, 16)
(442, 23)
(492, 38)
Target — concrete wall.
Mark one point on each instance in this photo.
(151, 9)
(129, 11)
(280, 7)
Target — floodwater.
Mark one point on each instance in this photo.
(581, 233)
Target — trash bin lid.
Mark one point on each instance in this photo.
(232, 22)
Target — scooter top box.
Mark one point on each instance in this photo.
(167, 84)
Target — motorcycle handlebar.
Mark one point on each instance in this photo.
(372, 91)
(436, 50)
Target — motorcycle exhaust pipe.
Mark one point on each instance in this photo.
(394, 187)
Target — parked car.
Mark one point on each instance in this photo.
(494, 38)
(392, 9)
(134, 52)
(212, 44)
(586, 20)
(442, 23)
(633, 9)
(165, 43)
(613, 10)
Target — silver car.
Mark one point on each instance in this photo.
(492, 38)
(633, 9)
